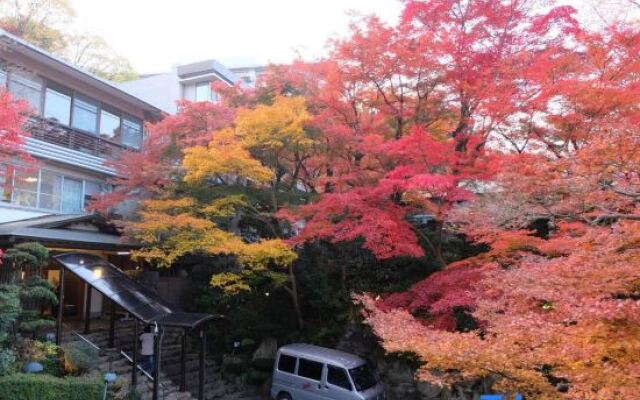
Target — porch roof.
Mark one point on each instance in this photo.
(63, 230)
(135, 298)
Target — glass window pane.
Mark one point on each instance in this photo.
(85, 114)
(6, 182)
(203, 91)
(131, 133)
(72, 196)
(57, 105)
(363, 377)
(109, 125)
(94, 189)
(50, 190)
(310, 369)
(25, 191)
(26, 87)
(287, 363)
(338, 377)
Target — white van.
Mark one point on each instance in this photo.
(307, 372)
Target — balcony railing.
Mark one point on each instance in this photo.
(52, 132)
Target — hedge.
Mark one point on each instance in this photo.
(47, 387)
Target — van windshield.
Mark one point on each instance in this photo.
(362, 377)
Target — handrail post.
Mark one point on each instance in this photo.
(112, 323)
(60, 306)
(203, 347)
(183, 365)
(134, 367)
(156, 368)
(87, 311)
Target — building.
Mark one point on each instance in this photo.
(184, 82)
(248, 75)
(80, 123)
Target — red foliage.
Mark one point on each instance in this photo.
(12, 117)
(147, 172)
(433, 300)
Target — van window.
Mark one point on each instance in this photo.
(338, 377)
(310, 369)
(363, 377)
(287, 363)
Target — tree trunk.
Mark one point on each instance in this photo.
(293, 291)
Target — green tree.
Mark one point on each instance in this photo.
(26, 260)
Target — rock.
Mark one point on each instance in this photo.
(33, 367)
(267, 350)
(399, 373)
(428, 391)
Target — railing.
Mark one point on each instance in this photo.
(126, 357)
(87, 341)
(52, 132)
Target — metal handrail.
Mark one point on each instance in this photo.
(128, 358)
(89, 342)
(125, 355)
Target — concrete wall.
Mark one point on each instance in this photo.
(161, 90)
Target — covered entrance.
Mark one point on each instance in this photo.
(143, 304)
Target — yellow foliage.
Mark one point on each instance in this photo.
(225, 155)
(225, 206)
(172, 205)
(275, 126)
(167, 236)
(267, 251)
(230, 282)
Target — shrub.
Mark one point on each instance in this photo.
(47, 387)
(7, 360)
(79, 358)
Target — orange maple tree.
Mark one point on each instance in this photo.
(555, 299)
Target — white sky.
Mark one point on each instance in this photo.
(155, 34)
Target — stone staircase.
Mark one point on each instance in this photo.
(111, 359)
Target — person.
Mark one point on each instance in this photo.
(146, 350)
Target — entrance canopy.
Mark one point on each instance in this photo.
(135, 298)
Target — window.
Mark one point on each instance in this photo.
(85, 114)
(57, 105)
(287, 363)
(109, 125)
(26, 87)
(338, 377)
(50, 190)
(72, 196)
(6, 182)
(47, 189)
(25, 188)
(310, 369)
(203, 91)
(131, 132)
(363, 377)
(94, 189)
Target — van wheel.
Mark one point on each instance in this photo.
(283, 396)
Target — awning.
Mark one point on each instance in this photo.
(71, 231)
(135, 298)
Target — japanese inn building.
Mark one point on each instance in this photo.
(80, 123)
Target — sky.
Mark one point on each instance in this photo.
(156, 34)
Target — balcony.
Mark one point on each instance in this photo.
(52, 132)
